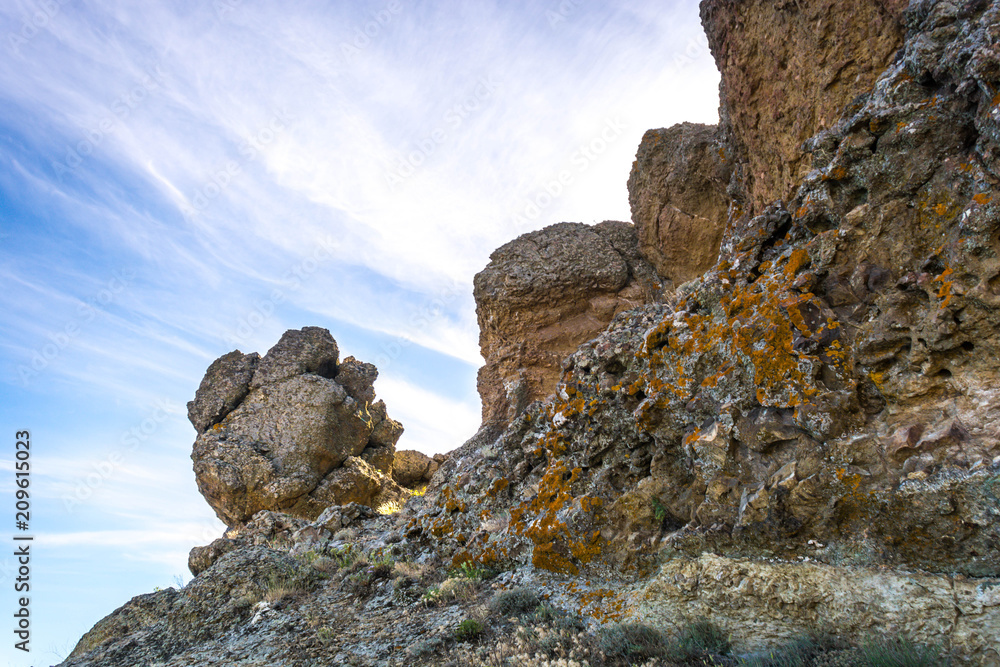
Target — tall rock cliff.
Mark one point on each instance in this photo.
(789, 69)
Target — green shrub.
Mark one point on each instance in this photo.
(899, 653)
(468, 629)
(344, 556)
(801, 652)
(631, 641)
(326, 635)
(449, 590)
(699, 640)
(516, 602)
(469, 571)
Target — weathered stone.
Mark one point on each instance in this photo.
(832, 377)
(412, 469)
(283, 446)
(387, 431)
(542, 295)
(789, 69)
(308, 350)
(159, 625)
(762, 605)
(357, 377)
(336, 517)
(677, 191)
(202, 558)
(225, 385)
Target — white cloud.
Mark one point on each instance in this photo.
(434, 423)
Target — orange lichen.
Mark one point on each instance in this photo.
(982, 198)
(945, 291)
(496, 487)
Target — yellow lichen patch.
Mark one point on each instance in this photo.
(945, 291)
(496, 487)
(982, 198)
(860, 502)
(542, 520)
(604, 605)
(837, 173)
(449, 501)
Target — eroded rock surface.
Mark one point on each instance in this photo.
(542, 295)
(831, 378)
(151, 628)
(807, 437)
(296, 431)
(413, 469)
(840, 601)
(789, 69)
(677, 191)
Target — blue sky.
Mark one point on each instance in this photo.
(180, 179)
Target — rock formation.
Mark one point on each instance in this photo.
(677, 190)
(830, 377)
(295, 431)
(542, 295)
(789, 70)
(412, 469)
(803, 438)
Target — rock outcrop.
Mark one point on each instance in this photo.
(677, 191)
(789, 69)
(829, 379)
(542, 295)
(296, 431)
(842, 601)
(152, 628)
(412, 469)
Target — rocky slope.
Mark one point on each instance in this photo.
(800, 433)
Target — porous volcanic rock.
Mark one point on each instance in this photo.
(304, 436)
(542, 295)
(677, 191)
(789, 69)
(832, 379)
(225, 385)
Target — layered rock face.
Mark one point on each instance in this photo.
(541, 296)
(789, 69)
(677, 191)
(297, 430)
